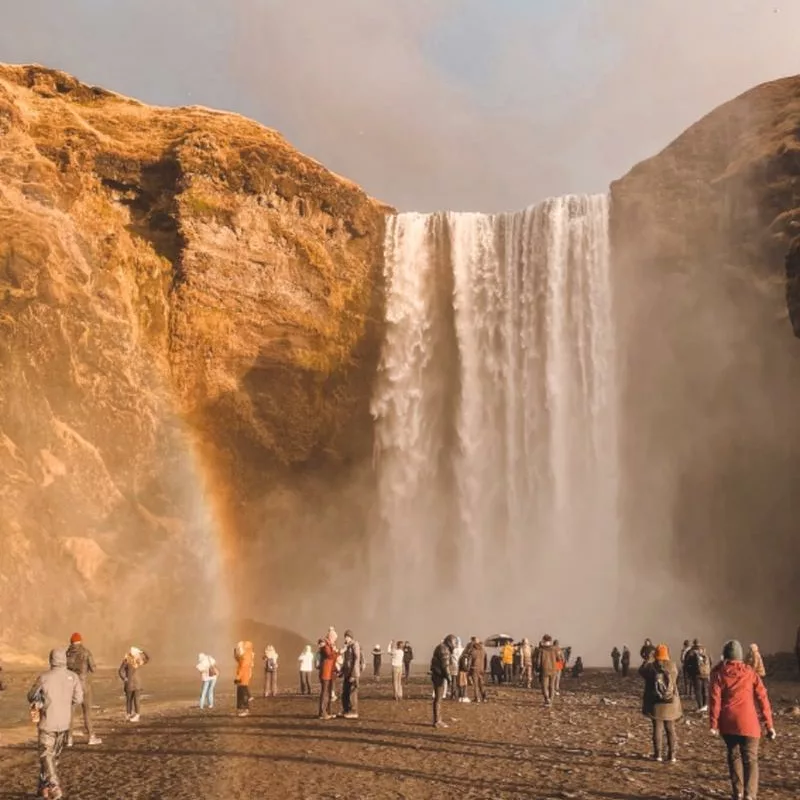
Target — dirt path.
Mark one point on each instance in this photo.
(509, 748)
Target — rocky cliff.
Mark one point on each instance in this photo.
(704, 235)
(189, 313)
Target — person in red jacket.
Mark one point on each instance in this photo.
(738, 703)
(327, 673)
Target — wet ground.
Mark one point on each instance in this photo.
(594, 745)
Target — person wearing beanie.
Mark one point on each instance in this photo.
(351, 673)
(81, 661)
(661, 701)
(738, 702)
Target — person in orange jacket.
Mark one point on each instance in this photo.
(245, 660)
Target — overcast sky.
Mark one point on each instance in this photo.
(464, 104)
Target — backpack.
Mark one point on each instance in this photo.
(664, 685)
(213, 672)
(703, 665)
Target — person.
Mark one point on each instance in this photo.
(754, 660)
(397, 653)
(517, 665)
(81, 661)
(464, 671)
(687, 686)
(507, 656)
(209, 672)
(737, 699)
(496, 668)
(408, 657)
(377, 659)
(455, 656)
(577, 668)
(797, 648)
(2, 682)
(440, 674)
(697, 669)
(128, 673)
(615, 657)
(661, 701)
(625, 661)
(306, 659)
(561, 662)
(526, 653)
(351, 673)
(270, 659)
(327, 668)
(548, 657)
(477, 668)
(245, 657)
(647, 650)
(53, 695)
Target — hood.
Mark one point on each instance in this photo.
(58, 657)
(734, 670)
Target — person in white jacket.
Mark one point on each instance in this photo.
(207, 667)
(395, 650)
(306, 659)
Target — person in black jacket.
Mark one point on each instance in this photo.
(81, 661)
(440, 674)
(408, 657)
(128, 673)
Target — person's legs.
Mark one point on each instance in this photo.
(557, 682)
(672, 739)
(47, 760)
(397, 682)
(749, 750)
(87, 709)
(128, 702)
(658, 738)
(135, 702)
(212, 685)
(346, 692)
(438, 694)
(204, 692)
(734, 745)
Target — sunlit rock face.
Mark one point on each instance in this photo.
(702, 236)
(189, 312)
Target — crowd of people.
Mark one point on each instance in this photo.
(731, 692)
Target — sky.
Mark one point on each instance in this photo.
(428, 104)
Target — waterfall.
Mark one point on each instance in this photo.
(496, 423)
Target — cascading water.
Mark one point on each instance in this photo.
(496, 423)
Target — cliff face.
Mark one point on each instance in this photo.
(189, 312)
(704, 236)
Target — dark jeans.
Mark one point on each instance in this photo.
(743, 765)
(50, 747)
(479, 690)
(305, 683)
(438, 693)
(406, 669)
(270, 683)
(86, 707)
(548, 687)
(659, 726)
(349, 696)
(626, 668)
(325, 689)
(242, 697)
(701, 691)
(131, 701)
(615, 662)
(508, 673)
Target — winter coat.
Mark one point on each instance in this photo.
(526, 652)
(652, 706)
(351, 663)
(647, 651)
(440, 663)
(80, 661)
(327, 661)
(626, 657)
(58, 690)
(204, 664)
(549, 656)
(270, 659)
(397, 656)
(129, 671)
(508, 654)
(455, 657)
(408, 654)
(245, 660)
(696, 663)
(736, 699)
(306, 659)
(478, 658)
(753, 659)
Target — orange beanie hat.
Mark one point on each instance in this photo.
(75, 638)
(662, 653)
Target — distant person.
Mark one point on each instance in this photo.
(517, 664)
(452, 683)
(351, 674)
(626, 661)
(53, 696)
(397, 653)
(377, 660)
(577, 668)
(477, 669)
(81, 661)
(561, 662)
(2, 682)
(548, 656)
(245, 658)
(327, 671)
(526, 654)
(615, 657)
(686, 685)
(697, 668)
(496, 669)
(128, 673)
(507, 657)
(797, 648)
(753, 659)
(408, 657)
(464, 671)
(270, 659)
(737, 704)
(440, 675)
(209, 672)
(306, 660)
(647, 650)
(661, 701)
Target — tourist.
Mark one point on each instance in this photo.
(245, 662)
(377, 660)
(560, 664)
(209, 672)
(625, 661)
(81, 661)
(52, 698)
(507, 656)
(306, 659)
(615, 657)
(647, 650)
(687, 686)
(577, 669)
(477, 670)
(548, 657)
(408, 657)
(440, 675)
(526, 655)
(351, 672)
(455, 656)
(697, 668)
(128, 673)
(517, 665)
(270, 659)
(661, 701)
(396, 653)
(327, 668)
(754, 660)
(496, 668)
(738, 701)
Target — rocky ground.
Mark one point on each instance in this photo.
(593, 744)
